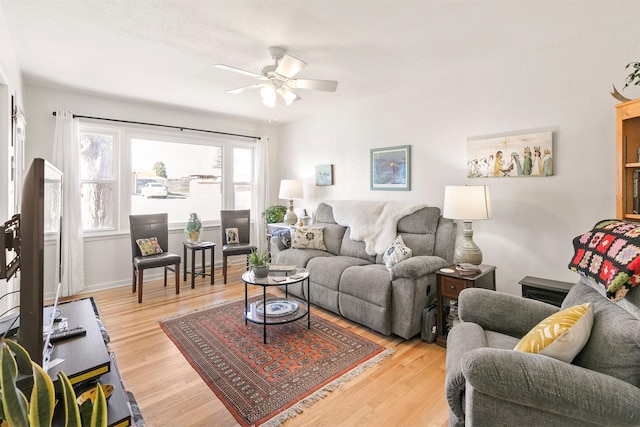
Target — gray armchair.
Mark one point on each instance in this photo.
(490, 384)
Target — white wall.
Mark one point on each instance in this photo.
(563, 88)
(108, 258)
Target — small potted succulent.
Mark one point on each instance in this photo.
(259, 263)
(193, 228)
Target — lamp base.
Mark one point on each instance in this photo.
(466, 250)
(290, 216)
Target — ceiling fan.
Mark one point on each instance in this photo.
(278, 79)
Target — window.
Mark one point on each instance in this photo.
(242, 177)
(98, 176)
(125, 171)
(177, 178)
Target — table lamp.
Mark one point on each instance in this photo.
(467, 203)
(290, 189)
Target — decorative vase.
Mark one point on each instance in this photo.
(305, 218)
(193, 228)
(260, 271)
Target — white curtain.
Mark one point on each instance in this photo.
(261, 193)
(66, 157)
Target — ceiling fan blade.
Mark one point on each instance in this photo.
(326, 85)
(289, 66)
(239, 71)
(244, 88)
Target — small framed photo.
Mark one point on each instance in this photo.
(391, 168)
(324, 175)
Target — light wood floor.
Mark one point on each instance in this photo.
(406, 389)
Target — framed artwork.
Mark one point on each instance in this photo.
(511, 156)
(324, 175)
(391, 168)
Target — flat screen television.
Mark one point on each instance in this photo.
(40, 219)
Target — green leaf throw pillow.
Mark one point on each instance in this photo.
(561, 335)
(149, 246)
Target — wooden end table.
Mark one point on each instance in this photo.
(448, 287)
(545, 290)
(202, 247)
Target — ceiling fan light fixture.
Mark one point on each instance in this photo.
(287, 94)
(268, 94)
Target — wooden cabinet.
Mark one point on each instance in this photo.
(449, 284)
(627, 159)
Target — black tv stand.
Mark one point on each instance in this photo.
(86, 360)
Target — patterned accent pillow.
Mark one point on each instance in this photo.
(285, 237)
(561, 335)
(610, 255)
(396, 252)
(233, 237)
(308, 238)
(149, 246)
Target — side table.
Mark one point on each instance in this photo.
(197, 246)
(257, 312)
(545, 290)
(448, 288)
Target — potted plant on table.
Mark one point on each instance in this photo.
(259, 263)
(193, 228)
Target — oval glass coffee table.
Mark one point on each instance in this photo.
(276, 310)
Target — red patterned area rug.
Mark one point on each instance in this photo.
(267, 384)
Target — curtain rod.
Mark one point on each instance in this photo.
(181, 128)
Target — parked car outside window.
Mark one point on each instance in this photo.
(154, 189)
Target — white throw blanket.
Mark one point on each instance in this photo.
(374, 223)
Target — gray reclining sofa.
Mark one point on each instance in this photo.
(346, 280)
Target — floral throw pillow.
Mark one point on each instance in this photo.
(396, 252)
(610, 255)
(308, 238)
(149, 246)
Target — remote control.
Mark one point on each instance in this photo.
(67, 333)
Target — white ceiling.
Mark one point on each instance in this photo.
(163, 50)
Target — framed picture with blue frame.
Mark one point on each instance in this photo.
(391, 168)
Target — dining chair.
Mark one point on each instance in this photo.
(149, 248)
(236, 231)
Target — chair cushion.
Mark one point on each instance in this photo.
(158, 260)
(149, 246)
(307, 238)
(237, 249)
(561, 335)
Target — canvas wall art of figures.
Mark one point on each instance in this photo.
(511, 156)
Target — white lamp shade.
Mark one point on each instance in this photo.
(290, 189)
(467, 202)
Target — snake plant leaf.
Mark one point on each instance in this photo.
(99, 414)
(71, 412)
(14, 401)
(42, 398)
(22, 357)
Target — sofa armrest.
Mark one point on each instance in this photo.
(499, 312)
(551, 385)
(417, 266)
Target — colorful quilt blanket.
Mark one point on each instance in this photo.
(610, 255)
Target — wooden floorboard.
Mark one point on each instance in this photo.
(406, 389)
